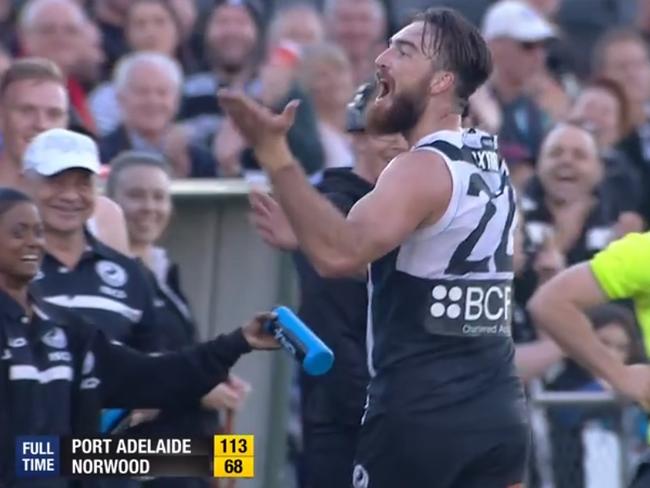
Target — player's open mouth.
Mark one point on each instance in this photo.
(383, 88)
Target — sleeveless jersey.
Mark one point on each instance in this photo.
(440, 304)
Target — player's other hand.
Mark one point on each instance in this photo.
(636, 384)
(256, 334)
(271, 222)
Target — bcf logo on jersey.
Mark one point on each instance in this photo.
(471, 309)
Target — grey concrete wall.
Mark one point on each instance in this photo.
(228, 274)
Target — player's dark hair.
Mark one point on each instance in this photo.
(9, 198)
(132, 159)
(456, 45)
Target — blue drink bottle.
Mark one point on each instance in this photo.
(301, 342)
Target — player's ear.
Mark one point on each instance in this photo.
(441, 81)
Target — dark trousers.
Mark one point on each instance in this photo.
(328, 455)
(406, 453)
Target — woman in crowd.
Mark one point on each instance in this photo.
(140, 184)
(120, 376)
(603, 109)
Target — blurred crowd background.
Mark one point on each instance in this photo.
(569, 98)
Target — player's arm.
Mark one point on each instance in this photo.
(400, 202)
(414, 189)
(558, 308)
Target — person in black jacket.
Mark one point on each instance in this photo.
(43, 393)
(148, 89)
(336, 309)
(140, 183)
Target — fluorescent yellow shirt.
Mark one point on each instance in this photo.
(623, 272)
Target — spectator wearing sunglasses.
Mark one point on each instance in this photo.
(516, 35)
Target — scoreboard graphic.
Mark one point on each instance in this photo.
(220, 456)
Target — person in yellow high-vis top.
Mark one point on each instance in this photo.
(621, 271)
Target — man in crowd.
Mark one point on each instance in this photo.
(148, 87)
(234, 47)
(33, 99)
(54, 29)
(359, 28)
(233, 44)
(516, 34)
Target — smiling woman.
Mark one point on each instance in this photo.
(21, 238)
(140, 183)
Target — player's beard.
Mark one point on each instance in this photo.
(399, 115)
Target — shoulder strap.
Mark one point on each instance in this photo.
(452, 152)
(485, 160)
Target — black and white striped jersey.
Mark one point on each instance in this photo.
(110, 290)
(440, 304)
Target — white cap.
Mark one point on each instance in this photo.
(57, 150)
(517, 20)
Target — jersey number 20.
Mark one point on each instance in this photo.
(460, 262)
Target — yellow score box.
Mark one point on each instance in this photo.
(234, 445)
(234, 456)
(234, 467)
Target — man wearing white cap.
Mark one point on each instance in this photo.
(79, 272)
(109, 289)
(516, 34)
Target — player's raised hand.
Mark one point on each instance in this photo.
(271, 222)
(264, 130)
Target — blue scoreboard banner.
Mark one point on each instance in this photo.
(37, 456)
